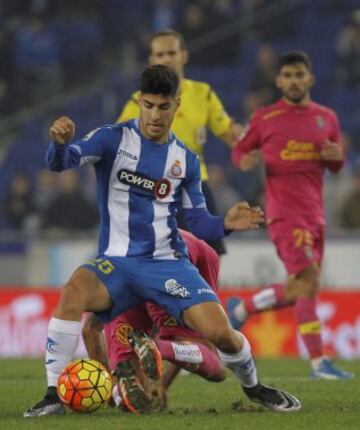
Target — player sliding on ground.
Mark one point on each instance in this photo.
(144, 174)
(135, 358)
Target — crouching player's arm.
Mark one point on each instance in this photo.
(94, 340)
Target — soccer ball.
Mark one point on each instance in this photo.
(84, 385)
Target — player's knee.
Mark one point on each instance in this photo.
(72, 298)
(219, 376)
(310, 281)
(224, 339)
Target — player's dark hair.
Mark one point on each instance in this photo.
(294, 57)
(168, 32)
(159, 79)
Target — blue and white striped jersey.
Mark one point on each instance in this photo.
(140, 186)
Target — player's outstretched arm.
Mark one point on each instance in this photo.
(242, 217)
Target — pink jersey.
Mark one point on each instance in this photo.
(290, 138)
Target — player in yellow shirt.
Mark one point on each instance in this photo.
(200, 109)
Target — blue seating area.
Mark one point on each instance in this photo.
(315, 35)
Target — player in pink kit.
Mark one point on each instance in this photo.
(127, 338)
(298, 139)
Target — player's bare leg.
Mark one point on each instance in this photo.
(210, 320)
(83, 292)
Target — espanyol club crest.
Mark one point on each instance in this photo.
(175, 169)
(320, 121)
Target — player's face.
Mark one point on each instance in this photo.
(167, 51)
(156, 115)
(294, 81)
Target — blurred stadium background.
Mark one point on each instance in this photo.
(82, 58)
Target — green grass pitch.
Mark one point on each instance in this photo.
(195, 403)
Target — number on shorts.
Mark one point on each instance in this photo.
(105, 266)
(303, 237)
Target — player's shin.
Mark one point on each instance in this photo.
(309, 325)
(194, 357)
(62, 340)
(242, 363)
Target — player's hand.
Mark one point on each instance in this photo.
(236, 129)
(250, 160)
(231, 136)
(62, 130)
(331, 151)
(242, 217)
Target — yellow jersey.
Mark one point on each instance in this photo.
(200, 108)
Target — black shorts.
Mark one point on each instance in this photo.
(217, 245)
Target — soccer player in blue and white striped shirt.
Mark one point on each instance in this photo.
(144, 174)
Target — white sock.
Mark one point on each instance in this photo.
(242, 364)
(61, 343)
(264, 299)
(240, 312)
(315, 362)
(116, 395)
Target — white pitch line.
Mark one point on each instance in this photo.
(288, 378)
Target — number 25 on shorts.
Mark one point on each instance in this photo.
(302, 237)
(105, 266)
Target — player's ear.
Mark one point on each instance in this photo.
(185, 56)
(178, 97)
(151, 59)
(278, 81)
(312, 80)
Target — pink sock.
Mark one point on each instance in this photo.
(272, 297)
(309, 325)
(194, 357)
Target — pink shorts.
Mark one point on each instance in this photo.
(168, 327)
(117, 331)
(143, 317)
(297, 244)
